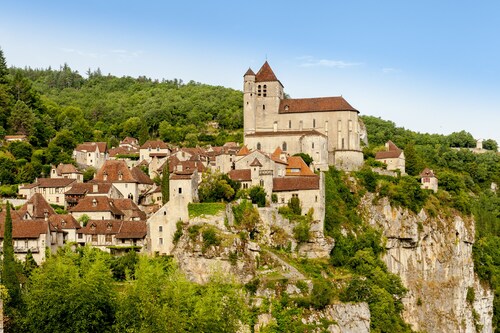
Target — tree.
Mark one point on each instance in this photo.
(22, 119)
(21, 149)
(4, 71)
(9, 274)
(71, 292)
(258, 195)
(490, 144)
(165, 183)
(305, 157)
(413, 164)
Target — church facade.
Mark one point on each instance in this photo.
(326, 128)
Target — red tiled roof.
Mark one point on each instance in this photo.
(55, 182)
(102, 227)
(112, 169)
(132, 230)
(293, 183)
(319, 104)
(96, 204)
(256, 163)
(243, 151)
(23, 228)
(40, 206)
(64, 221)
(427, 173)
(88, 188)
(265, 73)
(392, 152)
(129, 205)
(123, 151)
(249, 72)
(92, 147)
(129, 140)
(140, 176)
(181, 175)
(66, 168)
(243, 175)
(153, 144)
(297, 163)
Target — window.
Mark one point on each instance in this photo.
(314, 123)
(289, 124)
(261, 183)
(263, 107)
(259, 146)
(108, 238)
(80, 236)
(284, 146)
(265, 91)
(180, 190)
(316, 198)
(313, 145)
(160, 228)
(282, 199)
(160, 241)
(94, 238)
(339, 125)
(259, 90)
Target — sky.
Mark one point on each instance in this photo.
(428, 66)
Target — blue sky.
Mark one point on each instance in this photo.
(429, 66)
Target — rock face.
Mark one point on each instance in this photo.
(347, 318)
(433, 257)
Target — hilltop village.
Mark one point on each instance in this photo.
(123, 208)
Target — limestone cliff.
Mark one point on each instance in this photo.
(433, 257)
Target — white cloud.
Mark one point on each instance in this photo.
(308, 61)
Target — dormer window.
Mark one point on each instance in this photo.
(63, 223)
(92, 227)
(120, 175)
(287, 107)
(94, 202)
(105, 175)
(109, 226)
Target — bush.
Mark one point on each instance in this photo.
(301, 231)
(321, 294)
(258, 196)
(178, 231)
(210, 238)
(295, 206)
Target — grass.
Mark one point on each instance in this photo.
(205, 209)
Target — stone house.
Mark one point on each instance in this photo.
(97, 208)
(67, 226)
(92, 154)
(52, 189)
(130, 182)
(429, 180)
(392, 156)
(66, 171)
(153, 147)
(81, 190)
(115, 236)
(326, 128)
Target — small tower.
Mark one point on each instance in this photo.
(269, 91)
(249, 102)
(429, 180)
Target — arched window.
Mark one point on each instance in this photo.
(264, 92)
(259, 90)
(284, 146)
(258, 146)
(261, 183)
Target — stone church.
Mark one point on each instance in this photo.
(326, 128)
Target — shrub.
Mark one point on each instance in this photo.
(178, 231)
(301, 231)
(258, 196)
(295, 206)
(210, 238)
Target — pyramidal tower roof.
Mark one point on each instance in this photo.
(265, 73)
(249, 72)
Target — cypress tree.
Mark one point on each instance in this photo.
(3, 68)
(9, 276)
(165, 183)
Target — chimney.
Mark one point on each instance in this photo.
(95, 188)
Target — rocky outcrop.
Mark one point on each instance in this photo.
(433, 257)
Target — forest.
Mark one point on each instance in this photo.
(59, 108)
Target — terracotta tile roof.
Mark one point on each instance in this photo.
(249, 72)
(181, 175)
(96, 203)
(427, 173)
(132, 230)
(92, 147)
(297, 167)
(292, 183)
(29, 186)
(88, 188)
(256, 163)
(66, 168)
(242, 175)
(123, 151)
(112, 170)
(39, 207)
(319, 104)
(189, 166)
(102, 227)
(140, 176)
(15, 137)
(153, 144)
(243, 151)
(276, 155)
(265, 73)
(23, 228)
(130, 141)
(64, 221)
(129, 205)
(155, 154)
(392, 152)
(55, 182)
(286, 133)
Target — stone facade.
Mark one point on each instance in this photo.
(266, 111)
